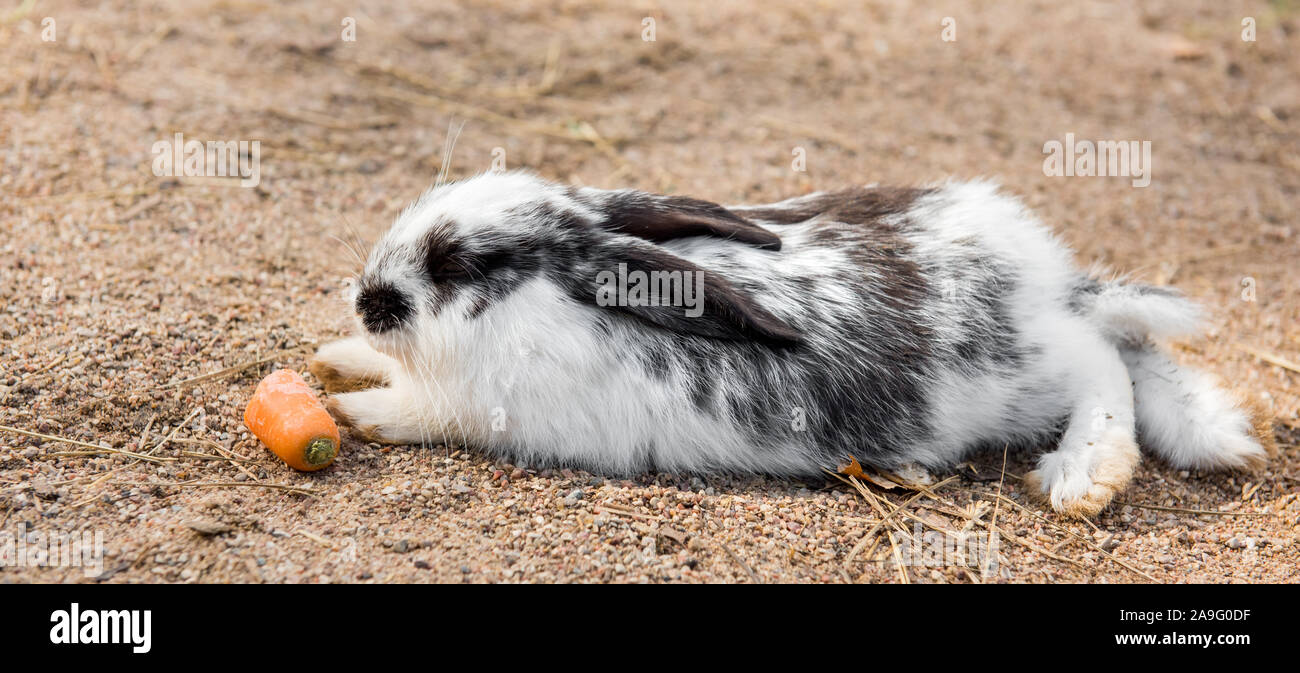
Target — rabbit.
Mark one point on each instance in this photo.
(900, 326)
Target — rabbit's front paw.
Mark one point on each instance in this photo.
(351, 364)
(378, 415)
(1081, 483)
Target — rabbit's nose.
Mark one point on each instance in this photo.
(382, 307)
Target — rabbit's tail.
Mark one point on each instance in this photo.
(1130, 313)
(1183, 414)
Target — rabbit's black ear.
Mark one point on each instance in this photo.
(660, 218)
(658, 287)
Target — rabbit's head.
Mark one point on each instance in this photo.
(459, 252)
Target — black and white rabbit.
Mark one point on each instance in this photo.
(898, 326)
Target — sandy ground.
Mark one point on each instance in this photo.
(139, 311)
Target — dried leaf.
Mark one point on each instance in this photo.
(854, 469)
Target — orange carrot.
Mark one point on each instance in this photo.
(285, 414)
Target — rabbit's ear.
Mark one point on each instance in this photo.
(660, 218)
(654, 285)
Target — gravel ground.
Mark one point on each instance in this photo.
(141, 310)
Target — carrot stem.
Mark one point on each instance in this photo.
(320, 451)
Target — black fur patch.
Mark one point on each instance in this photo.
(663, 218)
(989, 333)
(852, 205)
(486, 274)
(728, 313)
(855, 384)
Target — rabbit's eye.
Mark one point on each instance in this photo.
(450, 269)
